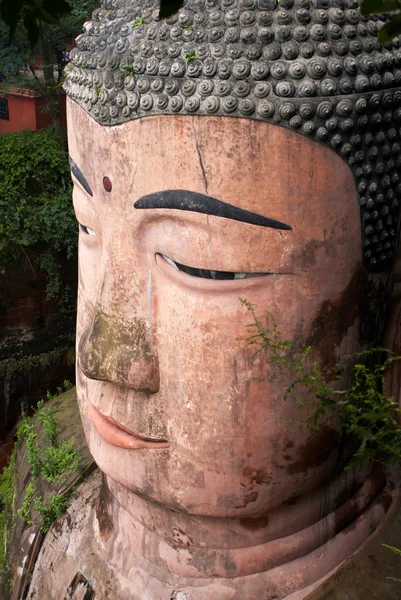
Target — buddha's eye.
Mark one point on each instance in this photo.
(87, 230)
(207, 274)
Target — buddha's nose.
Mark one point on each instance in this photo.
(119, 351)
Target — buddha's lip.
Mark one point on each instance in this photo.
(118, 435)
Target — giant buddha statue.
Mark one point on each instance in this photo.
(241, 148)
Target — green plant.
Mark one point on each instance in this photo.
(33, 451)
(98, 89)
(51, 461)
(37, 221)
(51, 511)
(393, 27)
(365, 414)
(127, 70)
(24, 512)
(190, 56)
(137, 22)
(7, 494)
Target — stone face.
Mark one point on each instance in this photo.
(209, 476)
(211, 488)
(315, 68)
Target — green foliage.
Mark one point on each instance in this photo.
(35, 203)
(137, 22)
(51, 461)
(34, 362)
(35, 13)
(50, 511)
(6, 519)
(24, 512)
(365, 414)
(40, 29)
(7, 482)
(190, 56)
(393, 549)
(33, 451)
(32, 12)
(127, 70)
(393, 27)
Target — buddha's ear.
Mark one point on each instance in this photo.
(393, 330)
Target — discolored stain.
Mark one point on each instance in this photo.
(230, 566)
(255, 524)
(334, 318)
(112, 349)
(310, 251)
(256, 476)
(248, 499)
(348, 512)
(181, 538)
(103, 512)
(315, 451)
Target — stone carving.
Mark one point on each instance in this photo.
(314, 67)
(211, 489)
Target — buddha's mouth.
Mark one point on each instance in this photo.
(117, 435)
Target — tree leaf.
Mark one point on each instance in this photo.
(169, 8)
(379, 7)
(11, 13)
(32, 29)
(390, 30)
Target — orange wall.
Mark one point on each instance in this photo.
(25, 112)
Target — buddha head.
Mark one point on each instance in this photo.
(240, 149)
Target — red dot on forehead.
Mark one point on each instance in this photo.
(108, 186)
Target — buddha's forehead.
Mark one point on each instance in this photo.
(250, 164)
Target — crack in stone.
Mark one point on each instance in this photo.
(200, 156)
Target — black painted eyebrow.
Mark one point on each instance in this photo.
(194, 202)
(79, 176)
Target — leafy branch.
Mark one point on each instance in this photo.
(391, 29)
(52, 461)
(35, 13)
(365, 414)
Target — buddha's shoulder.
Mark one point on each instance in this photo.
(69, 551)
(372, 571)
(70, 566)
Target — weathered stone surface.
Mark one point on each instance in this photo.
(72, 556)
(26, 540)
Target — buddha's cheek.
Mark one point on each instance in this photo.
(236, 443)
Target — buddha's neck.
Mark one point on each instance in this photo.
(193, 546)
